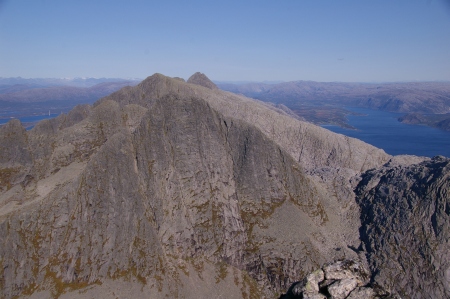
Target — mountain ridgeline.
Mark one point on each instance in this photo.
(327, 102)
(178, 189)
(403, 97)
(25, 97)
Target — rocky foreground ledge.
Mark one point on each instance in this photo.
(346, 279)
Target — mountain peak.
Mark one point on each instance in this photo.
(181, 189)
(201, 79)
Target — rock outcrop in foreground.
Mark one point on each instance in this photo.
(346, 279)
(174, 189)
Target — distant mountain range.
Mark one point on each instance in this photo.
(424, 97)
(19, 97)
(27, 83)
(325, 102)
(25, 94)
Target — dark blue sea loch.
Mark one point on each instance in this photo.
(383, 130)
(29, 119)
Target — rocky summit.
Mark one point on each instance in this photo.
(173, 189)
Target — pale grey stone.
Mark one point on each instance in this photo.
(362, 293)
(346, 269)
(343, 287)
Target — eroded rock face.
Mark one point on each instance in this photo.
(405, 227)
(15, 156)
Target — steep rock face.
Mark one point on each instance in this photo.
(405, 213)
(168, 184)
(15, 156)
(331, 159)
(313, 146)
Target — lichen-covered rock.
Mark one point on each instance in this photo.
(341, 288)
(309, 285)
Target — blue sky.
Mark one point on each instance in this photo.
(320, 40)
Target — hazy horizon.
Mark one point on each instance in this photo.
(237, 82)
(253, 41)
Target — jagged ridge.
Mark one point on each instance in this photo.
(178, 188)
